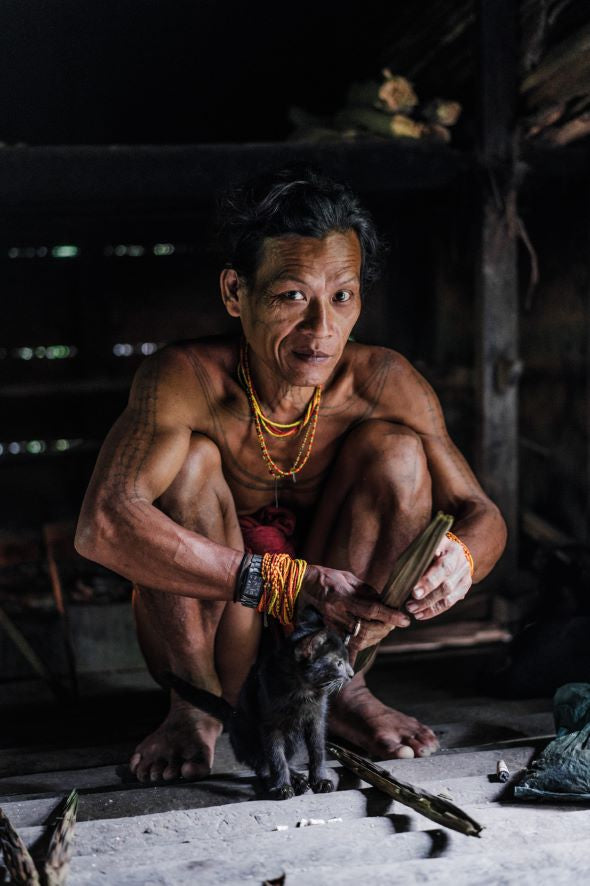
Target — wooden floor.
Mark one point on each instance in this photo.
(216, 831)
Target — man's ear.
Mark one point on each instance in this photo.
(232, 291)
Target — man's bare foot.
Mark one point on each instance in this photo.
(360, 718)
(184, 745)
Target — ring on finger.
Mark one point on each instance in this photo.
(353, 633)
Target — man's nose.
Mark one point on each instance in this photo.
(318, 319)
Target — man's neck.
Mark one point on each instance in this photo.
(277, 398)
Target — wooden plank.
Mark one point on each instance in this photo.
(119, 846)
(561, 867)
(465, 733)
(462, 772)
(451, 715)
(114, 682)
(104, 781)
(456, 726)
(137, 800)
(349, 811)
(458, 635)
(561, 863)
(186, 177)
(15, 761)
(497, 279)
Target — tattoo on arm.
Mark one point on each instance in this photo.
(130, 453)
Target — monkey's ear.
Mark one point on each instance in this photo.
(308, 622)
(310, 645)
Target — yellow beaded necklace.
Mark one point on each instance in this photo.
(278, 429)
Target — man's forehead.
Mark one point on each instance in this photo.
(335, 253)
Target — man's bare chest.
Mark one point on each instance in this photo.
(246, 469)
(227, 420)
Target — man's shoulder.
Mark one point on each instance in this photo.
(188, 375)
(368, 362)
(211, 352)
(387, 382)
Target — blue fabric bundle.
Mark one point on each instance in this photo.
(562, 771)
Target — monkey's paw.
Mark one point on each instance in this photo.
(299, 782)
(322, 786)
(282, 792)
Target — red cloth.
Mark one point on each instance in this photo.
(269, 531)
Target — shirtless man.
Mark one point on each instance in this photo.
(183, 465)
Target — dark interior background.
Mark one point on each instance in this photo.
(180, 72)
(149, 71)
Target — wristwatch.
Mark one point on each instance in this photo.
(249, 586)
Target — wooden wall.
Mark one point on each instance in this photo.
(95, 302)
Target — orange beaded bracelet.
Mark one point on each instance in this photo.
(282, 577)
(466, 550)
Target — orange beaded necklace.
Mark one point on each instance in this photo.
(277, 429)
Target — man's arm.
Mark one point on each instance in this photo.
(119, 526)
(407, 398)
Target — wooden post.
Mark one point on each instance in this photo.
(587, 381)
(498, 366)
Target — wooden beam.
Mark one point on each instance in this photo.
(180, 177)
(587, 410)
(497, 359)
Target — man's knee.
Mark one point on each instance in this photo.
(199, 485)
(386, 445)
(202, 460)
(388, 459)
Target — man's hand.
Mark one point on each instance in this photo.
(445, 582)
(343, 600)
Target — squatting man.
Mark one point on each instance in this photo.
(287, 438)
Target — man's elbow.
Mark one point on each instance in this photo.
(93, 535)
(499, 529)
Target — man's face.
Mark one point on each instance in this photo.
(299, 311)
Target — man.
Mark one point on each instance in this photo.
(348, 440)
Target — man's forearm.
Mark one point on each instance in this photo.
(480, 525)
(136, 540)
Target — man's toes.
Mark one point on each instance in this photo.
(403, 751)
(192, 769)
(134, 761)
(142, 772)
(389, 746)
(156, 771)
(419, 747)
(172, 771)
(428, 741)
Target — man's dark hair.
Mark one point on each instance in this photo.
(293, 201)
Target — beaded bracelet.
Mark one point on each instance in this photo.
(466, 550)
(282, 578)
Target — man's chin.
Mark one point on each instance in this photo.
(310, 372)
(309, 376)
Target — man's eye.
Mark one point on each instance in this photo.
(343, 295)
(294, 295)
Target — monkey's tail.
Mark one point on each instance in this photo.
(206, 701)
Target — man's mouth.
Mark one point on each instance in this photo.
(307, 355)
